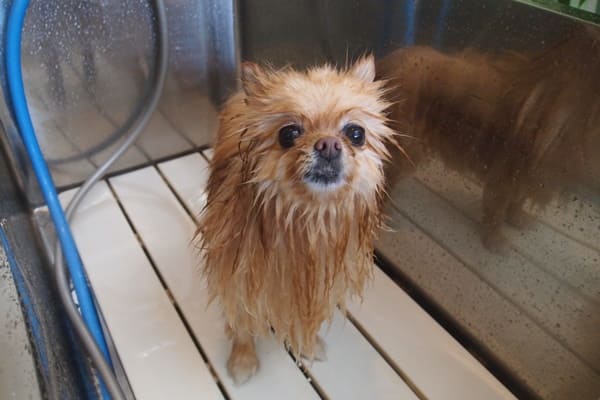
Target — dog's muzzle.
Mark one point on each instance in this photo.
(326, 168)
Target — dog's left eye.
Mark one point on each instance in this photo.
(355, 133)
(288, 134)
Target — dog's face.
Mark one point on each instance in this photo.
(319, 132)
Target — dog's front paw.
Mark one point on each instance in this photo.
(495, 242)
(519, 218)
(242, 363)
(319, 352)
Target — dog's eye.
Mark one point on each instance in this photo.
(355, 133)
(288, 134)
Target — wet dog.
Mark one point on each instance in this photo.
(294, 203)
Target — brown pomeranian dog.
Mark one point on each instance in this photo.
(293, 203)
(526, 126)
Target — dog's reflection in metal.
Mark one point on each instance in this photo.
(525, 126)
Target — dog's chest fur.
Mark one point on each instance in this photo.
(286, 266)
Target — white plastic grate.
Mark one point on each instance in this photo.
(134, 235)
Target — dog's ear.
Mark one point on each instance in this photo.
(253, 78)
(364, 68)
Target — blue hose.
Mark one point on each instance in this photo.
(411, 21)
(441, 24)
(21, 114)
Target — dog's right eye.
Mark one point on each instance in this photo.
(288, 134)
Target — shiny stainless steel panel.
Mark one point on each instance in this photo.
(534, 309)
(87, 69)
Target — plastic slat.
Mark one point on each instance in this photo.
(160, 358)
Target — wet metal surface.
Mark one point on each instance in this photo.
(88, 67)
(18, 378)
(496, 217)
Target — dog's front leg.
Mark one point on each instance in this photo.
(319, 353)
(496, 201)
(243, 361)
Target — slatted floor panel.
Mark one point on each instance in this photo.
(134, 236)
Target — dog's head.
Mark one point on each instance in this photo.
(319, 133)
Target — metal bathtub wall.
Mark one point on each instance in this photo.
(87, 69)
(532, 313)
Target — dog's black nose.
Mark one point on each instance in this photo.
(329, 147)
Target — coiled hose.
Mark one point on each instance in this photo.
(92, 339)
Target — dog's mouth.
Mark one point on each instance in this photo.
(324, 174)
